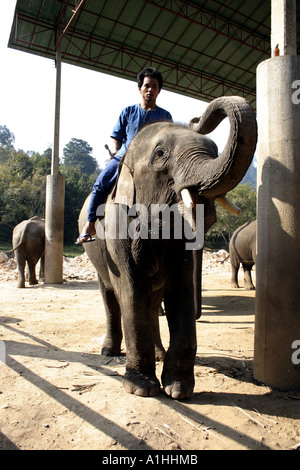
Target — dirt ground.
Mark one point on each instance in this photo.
(58, 392)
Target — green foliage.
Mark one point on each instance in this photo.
(244, 196)
(77, 187)
(7, 138)
(22, 188)
(23, 183)
(77, 153)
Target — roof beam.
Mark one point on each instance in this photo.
(75, 13)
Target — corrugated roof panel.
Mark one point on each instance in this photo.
(204, 47)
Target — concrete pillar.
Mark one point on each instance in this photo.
(54, 229)
(55, 195)
(283, 26)
(277, 322)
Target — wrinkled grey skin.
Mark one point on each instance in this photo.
(135, 275)
(242, 250)
(28, 242)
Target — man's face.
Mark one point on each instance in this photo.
(149, 90)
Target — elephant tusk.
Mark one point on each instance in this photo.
(222, 200)
(187, 198)
(228, 205)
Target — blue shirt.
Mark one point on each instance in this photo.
(130, 121)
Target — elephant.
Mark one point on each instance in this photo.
(166, 164)
(28, 240)
(242, 250)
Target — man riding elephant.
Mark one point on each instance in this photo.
(131, 119)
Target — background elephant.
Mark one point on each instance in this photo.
(242, 250)
(28, 240)
(166, 164)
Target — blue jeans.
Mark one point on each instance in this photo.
(102, 187)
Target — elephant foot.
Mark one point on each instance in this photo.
(178, 374)
(249, 287)
(234, 285)
(33, 282)
(21, 285)
(178, 388)
(140, 384)
(107, 351)
(111, 346)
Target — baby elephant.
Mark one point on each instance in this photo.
(242, 250)
(28, 242)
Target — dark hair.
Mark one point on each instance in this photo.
(152, 73)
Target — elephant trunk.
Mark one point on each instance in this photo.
(223, 173)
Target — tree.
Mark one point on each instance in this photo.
(244, 196)
(78, 185)
(7, 138)
(6, 143)
(22, 188)
(23, 184)
(77, 153)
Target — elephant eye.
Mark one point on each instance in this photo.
(159, 159)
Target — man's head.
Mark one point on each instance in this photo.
(150, 83)
(151, 73)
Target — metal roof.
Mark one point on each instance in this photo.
(204, 49)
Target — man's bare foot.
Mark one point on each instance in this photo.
(87, 232)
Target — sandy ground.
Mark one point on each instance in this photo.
(58, 392)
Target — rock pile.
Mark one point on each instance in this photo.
(79, 267)
(215, 262)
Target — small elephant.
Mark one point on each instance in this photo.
(28, 240)
(166, 165)
(242, 250)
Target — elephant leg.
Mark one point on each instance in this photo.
(42, 268)
(154, 316)
(113, 331)
(135, 294)
(197, 255)
(178, 372)
(234, 276)
(21, 262)
(32, 276)
(248, 284)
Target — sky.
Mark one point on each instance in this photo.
(90, 101)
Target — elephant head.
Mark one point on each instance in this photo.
(180, 163)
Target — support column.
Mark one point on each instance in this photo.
(54, 229)
(55, 195)
(283, 26)
(277, 322)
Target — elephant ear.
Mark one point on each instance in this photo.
(125, 190)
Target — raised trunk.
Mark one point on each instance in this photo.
(223, 173)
